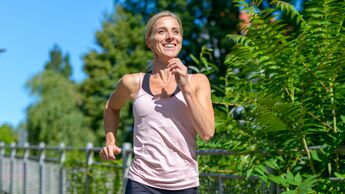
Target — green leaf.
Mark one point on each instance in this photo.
(195, 69)
(315, 156)
(277, 179)
(298, 178)
(194, 59)
(290, 179)
(272, 164)
(338, 175)
(261, 170)
(290, 192)
(307, 184)
(342, 118)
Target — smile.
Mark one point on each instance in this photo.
(169, 45)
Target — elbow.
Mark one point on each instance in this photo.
(206, 137)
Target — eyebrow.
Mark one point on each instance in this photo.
(174, 28)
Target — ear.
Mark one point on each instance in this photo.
(148, 43)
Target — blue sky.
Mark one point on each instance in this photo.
(28, 30)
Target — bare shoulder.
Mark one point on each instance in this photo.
(200, 80)
(130, 80)
(131, 83)
(199, 77)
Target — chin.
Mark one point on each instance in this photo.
(166, 56)
(170, 56)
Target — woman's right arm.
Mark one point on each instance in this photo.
(126, 89)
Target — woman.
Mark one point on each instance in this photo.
(170, 107)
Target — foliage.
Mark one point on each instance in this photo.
(279, 93)
(58, 62)
(283, 93)
(8, 134)
(93, 179)
(54, 116)
(294, 184)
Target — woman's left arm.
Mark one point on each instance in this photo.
(197, 93)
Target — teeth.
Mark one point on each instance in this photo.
(169, 45)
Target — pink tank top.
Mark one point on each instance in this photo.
(164, 142)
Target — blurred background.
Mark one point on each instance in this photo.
(29, 31)
(276, 70)
(84, 48)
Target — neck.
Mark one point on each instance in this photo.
(161, 70)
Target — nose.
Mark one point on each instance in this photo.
(170, 35)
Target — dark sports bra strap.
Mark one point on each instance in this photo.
(177, 90)
(146, 85)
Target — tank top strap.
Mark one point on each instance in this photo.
(141, 77)
(139, 93)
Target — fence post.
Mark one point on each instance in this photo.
(89, 161)
(220, 185)
(2, 152)
(126, 161)
(62, 160)
(25, 165)
(41, 148)
(12, 158)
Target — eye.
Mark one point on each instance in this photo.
(161, 31)
(176, 32)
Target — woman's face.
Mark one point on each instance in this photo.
(166, 39)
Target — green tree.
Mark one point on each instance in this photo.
(55, 116)
(283, 93)
(58, 62)
(121, 50)
(8, 134)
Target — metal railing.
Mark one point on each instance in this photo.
(44, 169)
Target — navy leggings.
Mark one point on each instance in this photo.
(134, 187)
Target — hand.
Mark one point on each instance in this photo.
(180, 71)
(109, 152)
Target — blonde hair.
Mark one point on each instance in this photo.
(153, 19)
